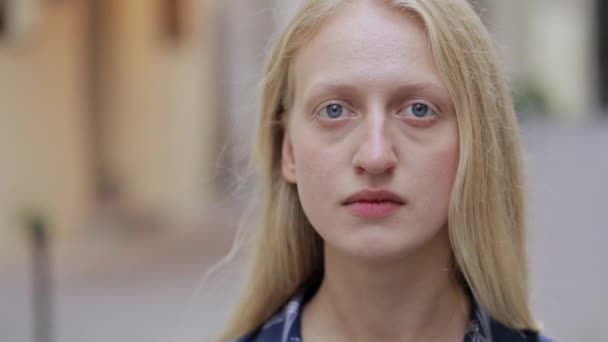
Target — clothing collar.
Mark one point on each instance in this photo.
(285, 325)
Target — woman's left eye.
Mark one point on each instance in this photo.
(419, 110)
(332, 111)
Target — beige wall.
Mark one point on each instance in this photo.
(158, 113)
(160, 119)
(43, 145)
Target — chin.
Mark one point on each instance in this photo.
(377, 245)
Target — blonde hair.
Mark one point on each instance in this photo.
(486, 215)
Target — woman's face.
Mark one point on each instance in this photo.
(371, 116)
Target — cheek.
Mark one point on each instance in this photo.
(315, 167)
(444, 162)
(436, 172)
(318, 178)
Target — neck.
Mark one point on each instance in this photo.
(415, 299)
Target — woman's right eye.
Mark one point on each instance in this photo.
(332, 111)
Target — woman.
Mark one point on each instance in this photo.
(388, 152)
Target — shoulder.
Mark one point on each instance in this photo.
(283, 326)
(269, 332)
(501, 333)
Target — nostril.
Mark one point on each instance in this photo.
(375, 156)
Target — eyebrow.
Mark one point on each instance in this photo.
(431, 89)
(321, 88)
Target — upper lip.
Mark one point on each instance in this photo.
(376, 195)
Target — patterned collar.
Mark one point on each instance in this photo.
(284, 326)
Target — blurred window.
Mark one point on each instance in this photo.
(3, 19)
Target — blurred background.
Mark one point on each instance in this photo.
(125, 126)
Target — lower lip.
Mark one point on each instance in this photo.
(372, 209)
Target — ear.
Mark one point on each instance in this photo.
(288, 162)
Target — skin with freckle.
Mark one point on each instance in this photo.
(375, 65)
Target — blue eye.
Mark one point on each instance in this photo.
(332, 111)
(419, 110)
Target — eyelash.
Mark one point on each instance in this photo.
(433, 111)
(431, 108)
(325, 107)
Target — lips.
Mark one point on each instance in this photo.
(374, 196)
(373, 204)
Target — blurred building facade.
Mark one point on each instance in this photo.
(106, 104)
(43, 149)
(134, 105)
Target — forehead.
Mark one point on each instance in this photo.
(369, 45)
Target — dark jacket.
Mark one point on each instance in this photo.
(284, 326)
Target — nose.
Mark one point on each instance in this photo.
(375, 154)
